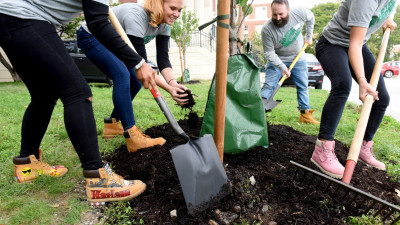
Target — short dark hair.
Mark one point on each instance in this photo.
(280, 2)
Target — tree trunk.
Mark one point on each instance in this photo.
(12, 71)
(240, 32)
(184, 58)
(232, 23)
(180, 56)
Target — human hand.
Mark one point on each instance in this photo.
(179, 95)
(389, 23)
(286, 72)
(309, 42)
(146, 76)
(366, 89)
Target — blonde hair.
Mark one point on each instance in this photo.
(155, 10)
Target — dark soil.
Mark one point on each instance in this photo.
(274, 197)
(190, 103)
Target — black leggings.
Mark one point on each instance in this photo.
(335, 61)
(43, 63)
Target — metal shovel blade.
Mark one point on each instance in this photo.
(269, 104)
(201, 173)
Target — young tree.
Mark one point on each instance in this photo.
(68, 31)
(237, 25)
(181, 33)
(10, 69)
(323, 13)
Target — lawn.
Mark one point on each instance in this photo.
(54, 201)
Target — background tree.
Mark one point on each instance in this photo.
(181, 33)
(374, 42)
(323, 13)
(236, 36)
(10, 69)
(68, 31)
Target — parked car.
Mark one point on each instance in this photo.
(315, 72)
(87, 68)
(390, 68)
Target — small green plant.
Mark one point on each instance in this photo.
(120, 213)
(363, 220)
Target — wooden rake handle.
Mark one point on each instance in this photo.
(284, 77)
(356, 144)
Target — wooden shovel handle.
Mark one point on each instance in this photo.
(356, 144)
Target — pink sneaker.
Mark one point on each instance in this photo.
(367, 156)
(324, 157)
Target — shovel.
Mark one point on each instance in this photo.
(269, 104)
(197, 163)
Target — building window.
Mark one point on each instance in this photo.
(261, 13)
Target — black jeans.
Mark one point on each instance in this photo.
(335, 61)
(38, 55)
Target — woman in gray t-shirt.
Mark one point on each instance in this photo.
(344, 55)
(141, 24)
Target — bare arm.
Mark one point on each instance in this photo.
(173, 88)
(357, 35)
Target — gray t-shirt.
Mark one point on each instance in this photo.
(57, 12)
(282, 44)
(369, 14)
(135, 21)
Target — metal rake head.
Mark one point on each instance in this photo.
(388, 212)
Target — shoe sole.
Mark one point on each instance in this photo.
(32, 180)
(98, 201)
(108, 136)
(368, 165)
(326, 172)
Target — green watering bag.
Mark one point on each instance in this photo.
(245, 125)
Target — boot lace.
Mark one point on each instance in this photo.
(117, 178)
(330, 153)
(142, 134)
(42, 164)
(368, 151)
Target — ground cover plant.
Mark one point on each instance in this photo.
(272, 198)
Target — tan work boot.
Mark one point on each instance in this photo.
(103, 185)
(136, 140)
(27, 169)
(306, 117)
(112, 127)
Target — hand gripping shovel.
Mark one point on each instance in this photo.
(356, 144)
(269, 104)
(198, 165)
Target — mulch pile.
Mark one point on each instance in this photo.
(273, 198)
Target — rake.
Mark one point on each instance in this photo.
(387, 211)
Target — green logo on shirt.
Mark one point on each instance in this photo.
(384, 14)
(148, 38)
(291, 35)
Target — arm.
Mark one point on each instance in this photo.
(138, 44)
(96, 15)
(172, 87)
(169, 83)
(310, 20)
(269, 50)
(357, 35)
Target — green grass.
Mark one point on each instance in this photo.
(54, 201)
